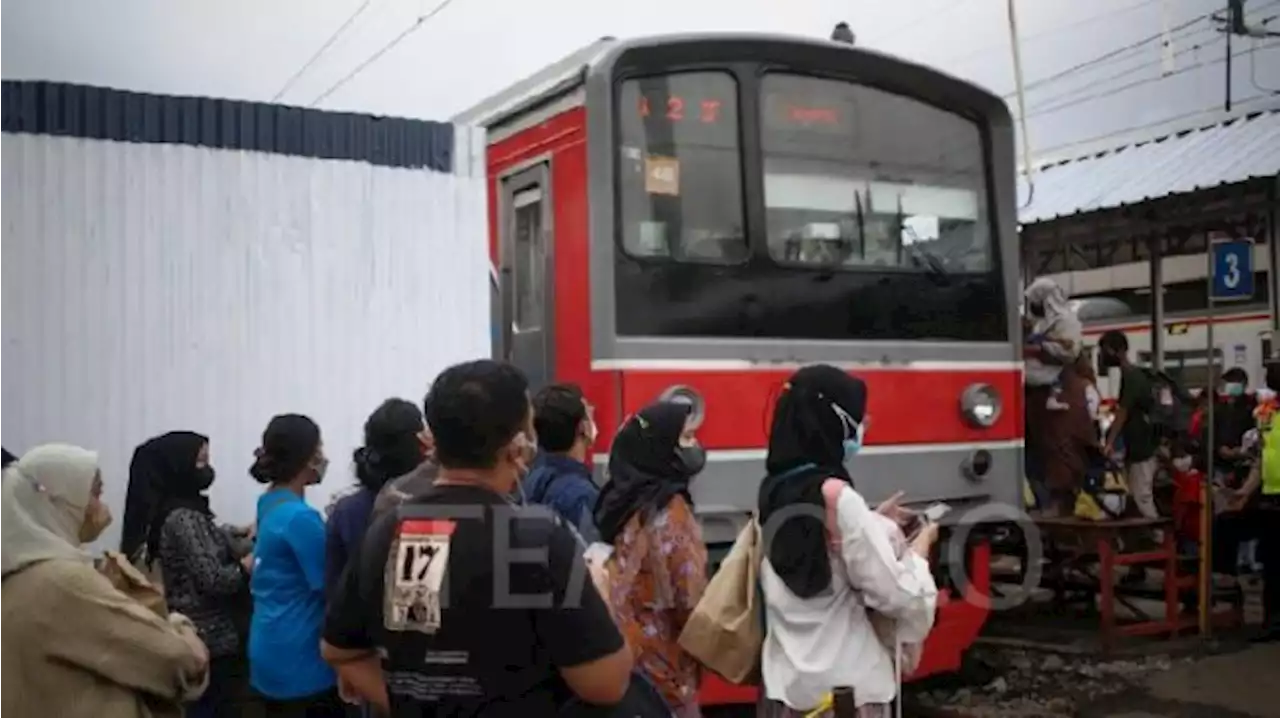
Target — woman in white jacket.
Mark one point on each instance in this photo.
(832, 564)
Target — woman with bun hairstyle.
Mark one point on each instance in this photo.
(395, 444)
(288, 575)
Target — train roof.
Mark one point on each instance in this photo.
(570, 72)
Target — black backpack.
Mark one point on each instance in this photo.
(1169, 406)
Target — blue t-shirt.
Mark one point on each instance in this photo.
(288, 599)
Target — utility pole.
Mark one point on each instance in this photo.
(1232, 23)
(1233, 7)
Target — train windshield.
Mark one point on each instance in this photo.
(839, 211)
(855, 177)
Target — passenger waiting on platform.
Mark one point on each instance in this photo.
(659, 566)
(75, 646)
(1132, 421)
(1257, 505)
(560, 477)
(288, 576)
(205, 574)
(823, 580)
(494, 617)
(395, 445)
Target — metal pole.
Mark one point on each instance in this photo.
(1206, 493)
(1155, 246)
(1227, 100)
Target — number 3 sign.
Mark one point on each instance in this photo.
(1232, 270)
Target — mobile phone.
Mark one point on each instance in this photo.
(935, 512)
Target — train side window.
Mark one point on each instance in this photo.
(679, 169)
(530, 258)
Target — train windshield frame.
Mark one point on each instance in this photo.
(757, 200)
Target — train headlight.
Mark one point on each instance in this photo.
(980, 405)
(680, 394)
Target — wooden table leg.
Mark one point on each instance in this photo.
(1107, 597)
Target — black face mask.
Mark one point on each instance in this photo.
(1036, 310)
(204, 477)
(691, 460)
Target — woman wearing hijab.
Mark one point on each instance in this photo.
(830, 560)
(659, 563)
(205, 578)
(1060, 434)
(288, 577)
(76, 646)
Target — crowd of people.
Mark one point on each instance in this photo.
(1155, 428)
(474, 569)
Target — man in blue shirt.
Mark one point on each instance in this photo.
(560, 477)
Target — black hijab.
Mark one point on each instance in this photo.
(162, 477)
(645, 472)
(806, 447)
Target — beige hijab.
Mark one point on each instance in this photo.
(46, 494)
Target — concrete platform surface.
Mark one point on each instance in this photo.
(1240, 684)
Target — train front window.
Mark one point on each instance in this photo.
(679, 168)
(856, 178)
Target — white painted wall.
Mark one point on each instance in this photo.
(148, 288)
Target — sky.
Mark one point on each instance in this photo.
(469, 49)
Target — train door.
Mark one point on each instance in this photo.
(526, 282)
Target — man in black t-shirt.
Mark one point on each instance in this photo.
(1132, 421)
(462, 604)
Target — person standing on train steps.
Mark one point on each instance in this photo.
(1132, 421)
(560, 477)
(288, 576)
(462, 603)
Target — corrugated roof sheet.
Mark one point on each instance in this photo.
(54, 108)
(1234, 151)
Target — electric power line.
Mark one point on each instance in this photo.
(1108, 55)
(323, 49)
(1139, 83)
(417, 25)
(1093, 84)
(1047, 32)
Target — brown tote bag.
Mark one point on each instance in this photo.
(725, 632)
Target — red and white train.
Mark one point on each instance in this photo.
(1242, 337)
(696, 216)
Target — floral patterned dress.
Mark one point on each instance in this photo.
(658, 573)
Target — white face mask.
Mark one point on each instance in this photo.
(1182, 464)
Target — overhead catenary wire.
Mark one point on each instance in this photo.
(324, 47)
(1128, 86)
(1107, 56)
(1094, 84)
(1028, 166)
(1047, 32)
(377, 55)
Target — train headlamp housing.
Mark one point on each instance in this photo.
(681, 394)
(980, 405)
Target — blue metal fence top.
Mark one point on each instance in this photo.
(66, 110)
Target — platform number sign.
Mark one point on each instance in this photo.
(1232, 270)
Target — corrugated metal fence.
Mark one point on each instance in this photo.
(152, 287)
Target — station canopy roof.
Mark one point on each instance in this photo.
(1232, 151)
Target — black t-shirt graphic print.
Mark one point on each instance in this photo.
(474, 604)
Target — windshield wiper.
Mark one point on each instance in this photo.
(920, 258)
